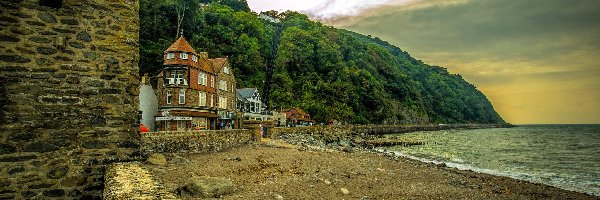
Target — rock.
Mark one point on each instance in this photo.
(157, 159)
(345, 191)
(208, 187)
(278, 197)
(180, 160)
(235, 158)
(327, 182)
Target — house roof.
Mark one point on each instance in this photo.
(302, 111)
(238, 96)
(299, 110)
(246, 92)
(181, 45)
(217, 64)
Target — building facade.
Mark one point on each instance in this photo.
(187, 94)
(226, 93)
(249, 102)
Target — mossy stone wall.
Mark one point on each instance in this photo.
(68, 87)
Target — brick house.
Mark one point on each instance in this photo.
(297, 116)
(186, 91)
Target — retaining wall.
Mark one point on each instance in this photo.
(194, 141)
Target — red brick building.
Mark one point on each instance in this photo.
(297, 116)
(187, 94)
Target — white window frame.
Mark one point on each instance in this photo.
(223, 102)
(181, 96)
(169, 95)
(201, 98)
(226, 70)
(170, 56)
(194, 58)
(212, 81)
(183, 55)
(202, 78)
(211, 100)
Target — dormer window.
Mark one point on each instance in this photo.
(170, 56)
(183, 56)
(194, 58)
(226, 70)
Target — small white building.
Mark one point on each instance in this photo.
(148, 104)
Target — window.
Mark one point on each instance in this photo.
(212, 81)
(170, 56)
(183, 56)
(177, 78)
(211, 100)
(252, 106)
(194, 58)
(202, 98)
(169, 96)
(226, 70)
(182, 96)
(223, 85)
(202, 79)
(223, 102)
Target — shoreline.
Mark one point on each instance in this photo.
(276, 168)
(462, 167)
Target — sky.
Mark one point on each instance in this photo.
(537, 61)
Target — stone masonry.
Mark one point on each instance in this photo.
(68, 87)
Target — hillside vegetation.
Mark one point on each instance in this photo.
(329, 72)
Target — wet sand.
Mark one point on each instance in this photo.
(277, 170)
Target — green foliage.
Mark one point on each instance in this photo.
(330, 73)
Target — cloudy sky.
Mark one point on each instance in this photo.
(538, 61)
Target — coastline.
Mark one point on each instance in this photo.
(276, 168)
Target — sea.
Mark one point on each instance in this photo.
(564, 156)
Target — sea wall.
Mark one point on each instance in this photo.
(357, 135)
(68, 88)
(346, 130)
(194, 141)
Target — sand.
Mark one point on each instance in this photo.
(277, 170)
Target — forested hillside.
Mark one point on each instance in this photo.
(329, 72)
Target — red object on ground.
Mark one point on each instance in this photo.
(143, 128)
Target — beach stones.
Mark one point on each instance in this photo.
(345, 191)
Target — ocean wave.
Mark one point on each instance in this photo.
(548, 178)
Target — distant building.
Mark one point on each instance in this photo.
(268, 18)
(297, 116)
(248, 102)
(187, 94)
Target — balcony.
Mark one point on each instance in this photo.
(176, 81)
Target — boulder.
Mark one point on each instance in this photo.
(157, 159)
(208, 187)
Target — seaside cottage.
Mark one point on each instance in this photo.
(297, 116)
(250, 104)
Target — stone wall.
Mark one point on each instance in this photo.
(68, 87)
(365, 130)
(194, 141)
